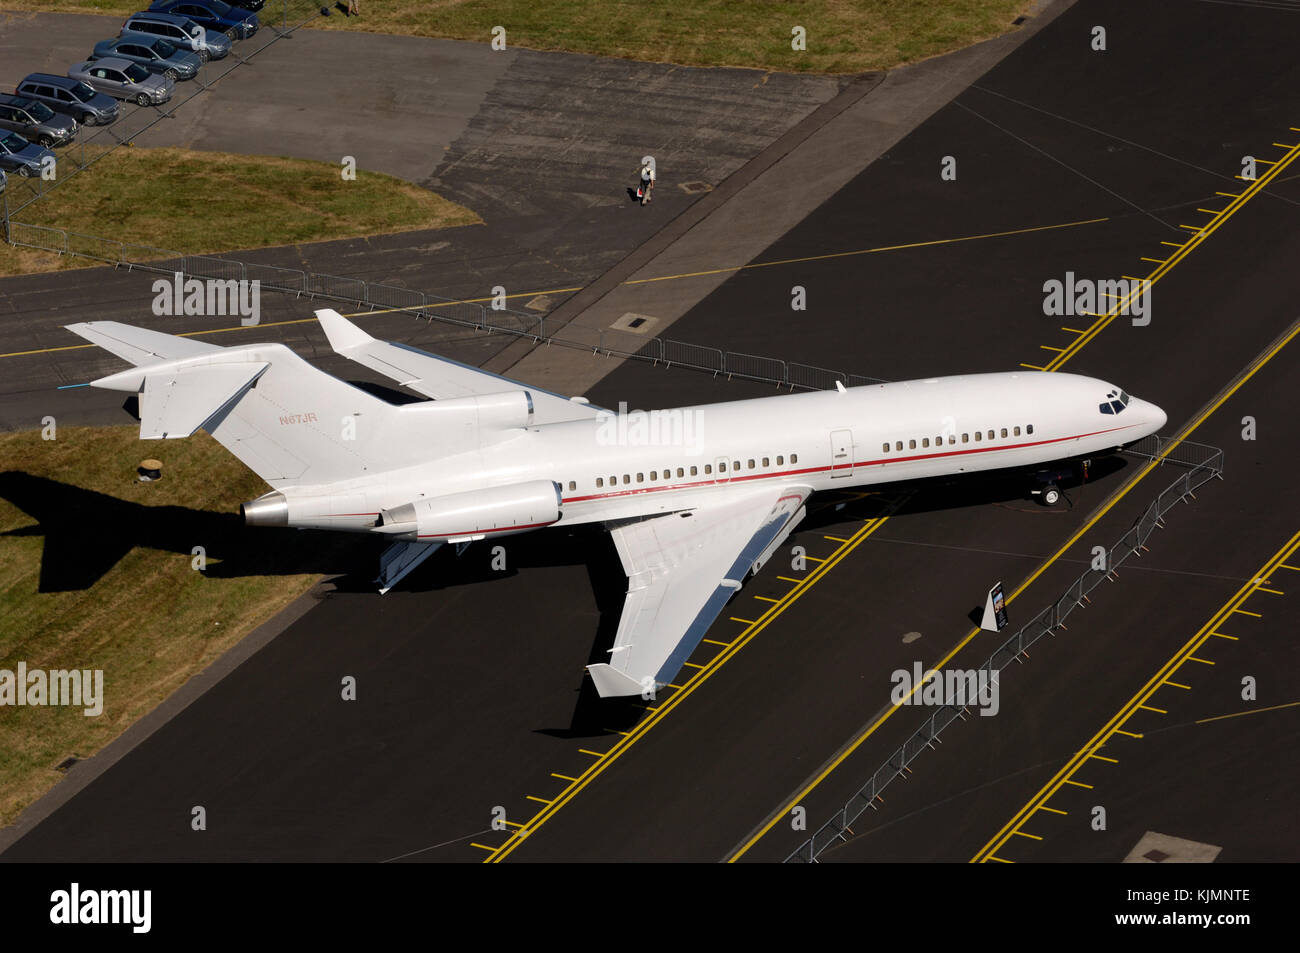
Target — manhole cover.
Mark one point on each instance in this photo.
(696, 187)
(1156, 856)
(636, 323)
(540, 303)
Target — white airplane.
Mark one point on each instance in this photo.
(696, 499)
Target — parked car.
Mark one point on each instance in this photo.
(237, 22)
(21, 156)
(70, 97)
(35, 121)
(179, 31)
(123, 79)
(157, 56)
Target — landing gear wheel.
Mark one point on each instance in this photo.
(1051, 495)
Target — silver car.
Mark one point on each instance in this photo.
(35, 121)
(123, 79)
(157, 56)
(179, 31)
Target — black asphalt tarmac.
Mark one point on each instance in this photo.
(471, 694)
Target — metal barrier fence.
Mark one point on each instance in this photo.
(356, 292)
(1204, 463)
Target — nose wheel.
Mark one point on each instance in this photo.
(1049, 495)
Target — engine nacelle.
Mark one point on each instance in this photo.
(508, 410)
(458, 517)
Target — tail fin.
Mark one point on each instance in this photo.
(289, 422)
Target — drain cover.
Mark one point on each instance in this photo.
(696, 187)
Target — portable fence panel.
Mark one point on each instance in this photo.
(693, 355)
(218, 269)
(754, 367)
(275, 278)
(334, 286)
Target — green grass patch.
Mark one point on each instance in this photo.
(96, 573)
(210, 202)
(843, 36)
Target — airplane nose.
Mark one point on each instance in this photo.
(1158, 417)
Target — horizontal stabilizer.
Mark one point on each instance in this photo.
(610, 682)
(140, 345)
(175, 403)
(439, 377)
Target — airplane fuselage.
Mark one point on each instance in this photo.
(644, 463)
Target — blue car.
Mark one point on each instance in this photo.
(238, 23)
(21, 156)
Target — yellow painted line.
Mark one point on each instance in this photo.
(1248, 612)
(1192, 658)
(866, 251)
(483, 846)
(538, 799)
(766, 599)
(562, 777)
(1159, 711)
(511, 823)
(694, 665)
(835, 539)
(1292, 568)
(1030, 836)
(1220, 635)
(1174, 244)
(594, 754)
(742, 621)
(1044, 807)
(813, 559)
(1158, 261)
(1193, 228)
(1079, 784)
(1047, 347)
(716, 642)
(1253, 711)
(625, 744)
(1178, 685)
(1072, 330)
(788, 579)
(1032, 367)
(1271, 592)
(1100, 757)
(1231, 195)
(1078, 534)
(1088, 751)
(1129, 733)
(1283, 145)
(1001, 861)
(1210, 211)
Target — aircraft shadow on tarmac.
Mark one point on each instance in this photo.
(87, 533)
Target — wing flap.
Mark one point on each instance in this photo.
(681, 571)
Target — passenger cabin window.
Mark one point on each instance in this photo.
(600, 481)
(1029, 429)
(1017, 431)
(722, 466)
(654, 474)
(911, 445)
(765, 462)
(780, 460)
(751, 464)
(884, 448)
(898, 445)
(925, 442)
(708, 468)
(1004, 433)
(794, 458)
(965, 438)
(977, 436)
(694, 471)
(640, 478)
(573, 484)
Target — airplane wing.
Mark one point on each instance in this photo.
(682, 568)
(140, 345)
(438, 377)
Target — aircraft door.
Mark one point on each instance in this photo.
(841, 453)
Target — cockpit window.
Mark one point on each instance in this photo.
(1115, 402)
